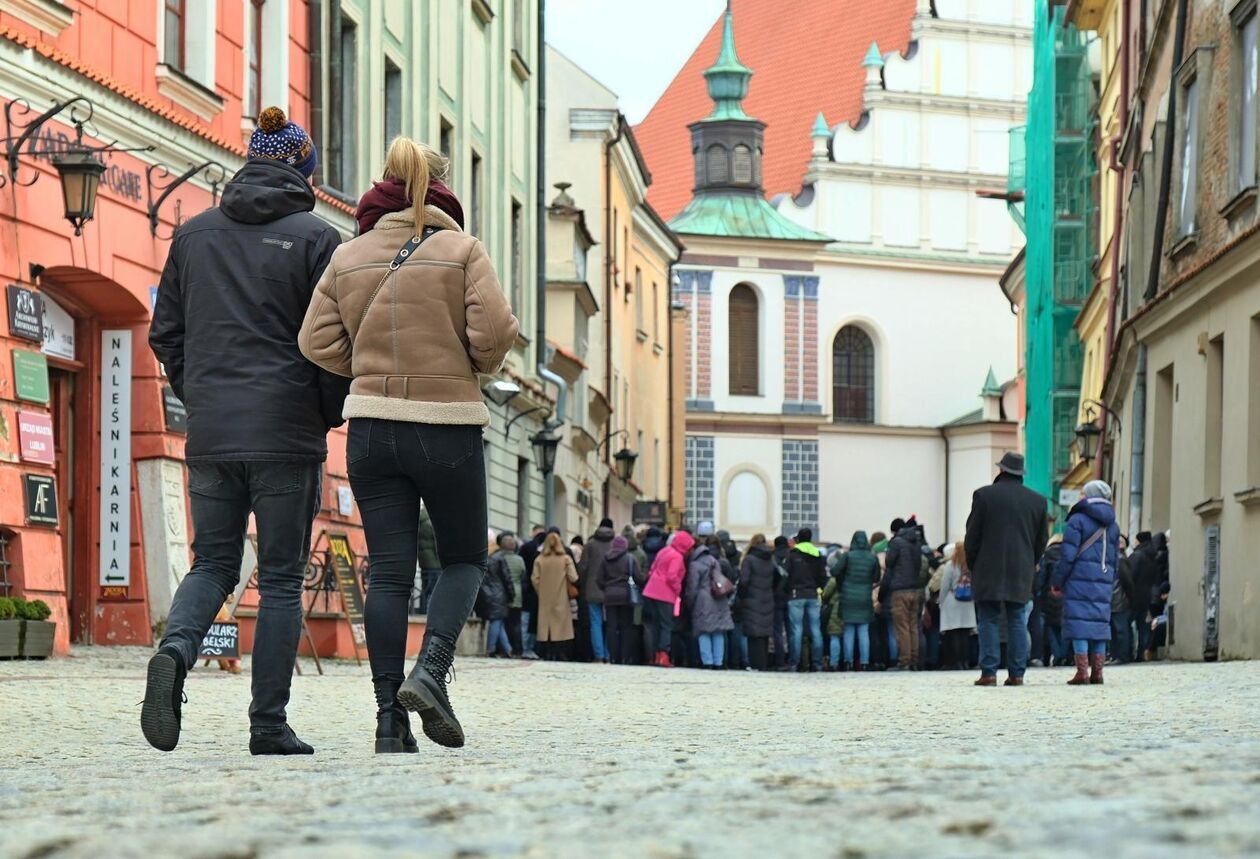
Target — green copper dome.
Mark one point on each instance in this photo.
(739, 216)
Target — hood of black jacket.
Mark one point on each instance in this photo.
(763, 552)
(604, 535)
(264, 191)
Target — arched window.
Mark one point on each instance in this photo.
(718, 168)
(747, 501)
(744, 348)
(853, 376)
(742, 164)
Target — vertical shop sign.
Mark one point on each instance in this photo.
(115, 462)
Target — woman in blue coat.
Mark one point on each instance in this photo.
(1085, 575)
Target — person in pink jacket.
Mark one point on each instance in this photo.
(660, 597)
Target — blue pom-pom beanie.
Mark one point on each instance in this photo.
(277, 139)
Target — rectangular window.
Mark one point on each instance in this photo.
(173, 34)
(446, 145)
(522, 495)
(1247, 103)
(1161, 447)
(1189, 160)
(1214, 414)
(253, 88)
(393, 101)
(579, 258)
(656, 468)
(518, 258)
(638, 298)
(474, 193)
(656, 313)
(518, 27)
(639, 450)
(1253, 406)
(342, 118)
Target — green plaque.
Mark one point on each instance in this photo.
(30, 376)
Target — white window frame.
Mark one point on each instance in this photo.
(193, 86)
(1193, 90)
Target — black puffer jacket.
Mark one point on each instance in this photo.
(236, 285)
(807, 572)
(757, 580)
(903, 563)
(497, 593)
(614, 577)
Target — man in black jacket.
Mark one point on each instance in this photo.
(806, 576)
(904, 564)
(233, 294)
(1006, 536)
(1144, 565)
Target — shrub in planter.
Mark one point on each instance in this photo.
(10, 629)
(37, 632)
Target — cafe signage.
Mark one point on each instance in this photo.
(173, 409)
(35, 435)
(26, 313)
(115, 568)
(30, 376)
(342, 559)
(41, 499)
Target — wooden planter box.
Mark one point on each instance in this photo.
(10, 639)
(37, 641)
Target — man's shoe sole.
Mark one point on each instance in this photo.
(157, 716)
(439, 723)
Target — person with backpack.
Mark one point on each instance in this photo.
(413, 311)
(958, 611)
(708, 602)
(621, 580)
(1084, 576)
(235, 286)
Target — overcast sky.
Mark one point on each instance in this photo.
(633, 47)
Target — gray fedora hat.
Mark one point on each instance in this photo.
(1012, 463)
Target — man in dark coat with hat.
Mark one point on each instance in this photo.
(1006, 536)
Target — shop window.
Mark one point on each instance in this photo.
(744, 347)
(853, 376)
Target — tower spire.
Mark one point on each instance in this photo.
(727, 78)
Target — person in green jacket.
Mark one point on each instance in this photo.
(835, 620)
(855, 576)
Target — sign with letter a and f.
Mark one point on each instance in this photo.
(115, 463)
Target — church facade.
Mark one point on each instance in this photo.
(845, 347)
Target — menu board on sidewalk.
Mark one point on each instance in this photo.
(222, 641)
(347, 584)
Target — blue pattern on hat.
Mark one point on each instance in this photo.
(289, 143)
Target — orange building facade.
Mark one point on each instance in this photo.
(93, 510)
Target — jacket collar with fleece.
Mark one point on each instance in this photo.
(406, 220)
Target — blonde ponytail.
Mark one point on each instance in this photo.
(414, 164)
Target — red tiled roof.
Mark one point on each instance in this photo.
(805, 56)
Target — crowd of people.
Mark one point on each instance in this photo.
(888, 601)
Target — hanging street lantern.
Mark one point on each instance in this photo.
(625, 463)
(1087, 435)
(545, 445)
(80, 173)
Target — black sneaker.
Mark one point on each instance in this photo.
(163, 695)
(424, 693)
(281, 742)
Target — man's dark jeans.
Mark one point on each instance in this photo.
(988, 616)
(284, 498)
(393, 466)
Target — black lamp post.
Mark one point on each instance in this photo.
(80, 173)
(545, 445)
(625, 463)
(1087, 435)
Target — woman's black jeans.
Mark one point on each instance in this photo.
(394, 465)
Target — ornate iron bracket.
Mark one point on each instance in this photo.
(508, 429)
(20, 134)
(212, 171)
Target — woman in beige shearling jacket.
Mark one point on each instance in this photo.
(412, 311)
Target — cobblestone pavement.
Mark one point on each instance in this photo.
(568, 760)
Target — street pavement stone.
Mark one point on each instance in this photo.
(583, 760)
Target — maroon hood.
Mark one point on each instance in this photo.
(391, 196)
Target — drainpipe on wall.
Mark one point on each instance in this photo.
(1137, 464)
(540, 302)
(945, 440)
(1118, 217)
(610, 264)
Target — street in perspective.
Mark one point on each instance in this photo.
(579, 427)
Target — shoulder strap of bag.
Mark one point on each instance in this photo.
(1093, 538)
(399, 258)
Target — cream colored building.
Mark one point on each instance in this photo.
(459, 76)
(609, 317)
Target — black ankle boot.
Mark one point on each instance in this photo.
(281, 742)
(163, 695)
(393, 730)
(424, 693)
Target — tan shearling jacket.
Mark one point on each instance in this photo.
(413, 339)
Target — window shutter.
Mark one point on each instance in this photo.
(742, 166)
(744, 347)
(719, 167)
